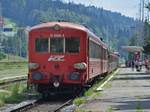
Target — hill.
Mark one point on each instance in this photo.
(113, 27)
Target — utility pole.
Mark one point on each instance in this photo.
(143, 11)
(139, 25)
(1, 27)
(139, 11)
(20, 43)
(147, 10)
(20, 35)
(1, 22)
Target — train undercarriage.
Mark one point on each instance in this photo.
(47, 90)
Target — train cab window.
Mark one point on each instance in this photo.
(72, 45)
(56, 45)
(41, 45)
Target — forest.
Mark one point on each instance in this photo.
(114, 28)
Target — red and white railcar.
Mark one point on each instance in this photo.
(113, 61)
(64, 56)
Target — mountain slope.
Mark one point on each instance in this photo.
(111, 26)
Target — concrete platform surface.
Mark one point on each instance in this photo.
(129, 91)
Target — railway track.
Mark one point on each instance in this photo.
(8, 77)
(39, 106)
(5, 62)
(4, 83)
(63, 105)
(54, 105)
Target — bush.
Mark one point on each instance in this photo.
(2, 56)
(16, 93)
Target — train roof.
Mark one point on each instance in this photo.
(68, 25)
(115, 54)
(61, 24)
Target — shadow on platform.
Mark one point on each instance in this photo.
(141, 103)
(129, 104)
(133, 78)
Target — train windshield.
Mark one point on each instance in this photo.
(72, 45)
(56, 45)
(41, 45)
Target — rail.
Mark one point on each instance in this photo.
(29, 104)
(5, 62)
(63, 105)
(22, 106)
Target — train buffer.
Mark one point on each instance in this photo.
(128, 91)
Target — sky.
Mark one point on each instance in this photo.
(126, 7)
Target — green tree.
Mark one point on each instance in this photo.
(146, 45)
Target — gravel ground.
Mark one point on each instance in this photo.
(50, 104)
(46, 107)
(129, 91)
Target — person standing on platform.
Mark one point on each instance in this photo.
(132, 65)
(146, 63)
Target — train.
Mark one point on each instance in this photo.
(65, 57)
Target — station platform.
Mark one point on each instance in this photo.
(128, 91)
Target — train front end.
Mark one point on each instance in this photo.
(57, 58)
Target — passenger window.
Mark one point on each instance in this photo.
(41, 45)
(94, 50)
(72, 45)
(56, 45)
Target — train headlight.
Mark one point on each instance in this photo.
(74, 76)
(37, 76)
(56, 84)
(33, 65)
(80, 66)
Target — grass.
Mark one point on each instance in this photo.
(11, 69)
(79, 101)
(14, 94)
(2, 56)
(110, 109)
(79, 110)
(138, 107)
(3, 94)
(9, 66)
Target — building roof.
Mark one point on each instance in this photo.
(132, 48)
